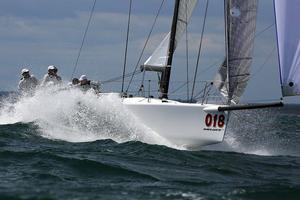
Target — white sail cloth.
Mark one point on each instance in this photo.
(240, 16)
(288, 37)
(158, 60)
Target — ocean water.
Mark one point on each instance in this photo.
(66, 145)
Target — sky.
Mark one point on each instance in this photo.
(38, 33)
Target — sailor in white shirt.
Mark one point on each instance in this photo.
(28, 83)
(51, 78)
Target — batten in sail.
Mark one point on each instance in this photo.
(288, 39)
(234, 73)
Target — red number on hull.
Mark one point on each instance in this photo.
(221, 121)
(216, 120)
(208, 120)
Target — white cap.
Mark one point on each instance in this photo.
(82, 77)
(51, 67)
(24, 71)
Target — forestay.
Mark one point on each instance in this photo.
(288, 38)
(158, 60)
(234, 73)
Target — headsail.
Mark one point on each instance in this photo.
(288, 38)
(234, 73)
(158, 60)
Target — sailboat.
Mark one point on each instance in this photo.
(194, 125)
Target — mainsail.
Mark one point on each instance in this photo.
(234, 73)
(158, 60)
(288, 39)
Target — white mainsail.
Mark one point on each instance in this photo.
(288, 38)
(158, 60)
(232, 80)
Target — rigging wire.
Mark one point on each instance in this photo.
(263, 65)
(264, 30)
(83, 39)
(126, 47)
(265, 62)
(200, 47)
(117, 78)
(184, 84)
(204, 70)
(145, 45)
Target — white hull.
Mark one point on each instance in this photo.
(188, 125)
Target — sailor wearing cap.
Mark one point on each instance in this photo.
(85, 84)
(51, 78)
(28, 83)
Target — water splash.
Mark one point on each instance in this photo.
(74, 116)
(265, 132)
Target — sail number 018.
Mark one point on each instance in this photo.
(215, 120)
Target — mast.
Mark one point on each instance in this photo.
(165, 76)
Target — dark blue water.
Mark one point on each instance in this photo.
(258, 160)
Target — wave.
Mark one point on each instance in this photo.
(74, 116)
(144, 170)
(81, 166)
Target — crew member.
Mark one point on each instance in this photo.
(74, 83)
(85, 84)
(51, 78)
(28, 82)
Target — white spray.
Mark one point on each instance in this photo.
(74, 116)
